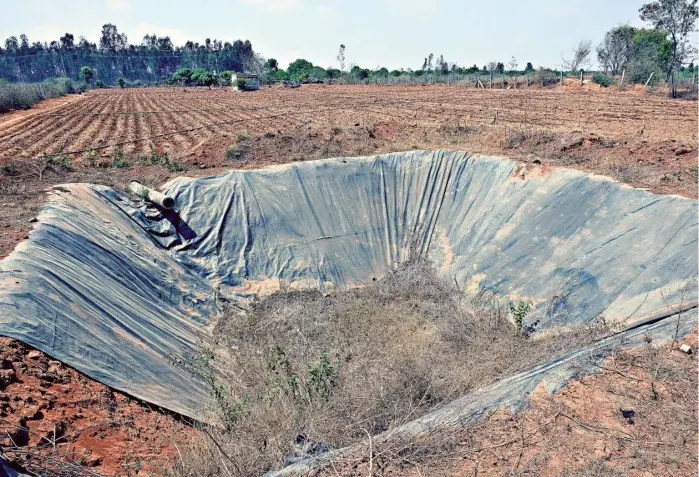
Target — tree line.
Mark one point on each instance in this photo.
(661, 51)
(113, 57)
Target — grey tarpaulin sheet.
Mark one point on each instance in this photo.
(120, 291)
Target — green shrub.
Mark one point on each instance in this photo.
(602, 79)
(520, 312)
(118, 160)
(24, 95)
(175, 167)
(156, 158)
(87, 73)
(91, 156)
(8, 169)
(639, 71)
(322, 376)
(235, 153)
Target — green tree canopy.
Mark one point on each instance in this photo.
(87, 74)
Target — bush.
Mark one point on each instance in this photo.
(602, 79)
(236, 153)
(24, 95)
(546, 78)
(639, 71)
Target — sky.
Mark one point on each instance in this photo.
(391, 33)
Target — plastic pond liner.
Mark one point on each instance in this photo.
(121, 290)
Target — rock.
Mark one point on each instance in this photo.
(668, 177)
(682, 150)
(34, 354)
(32, 413)
(537, 161)
(628, 414)
(685, 348)
(573, 144)
(7, 377)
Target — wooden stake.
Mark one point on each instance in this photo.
(581, 78)
(621, 83)
(651, 75)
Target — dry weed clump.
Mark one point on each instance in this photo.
(533, 138)
(305, 368)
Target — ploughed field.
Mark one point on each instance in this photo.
(187, 122)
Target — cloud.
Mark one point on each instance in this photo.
(177, 36)
(117, 4)
(273, 5)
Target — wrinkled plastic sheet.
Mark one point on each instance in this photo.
(123, 292)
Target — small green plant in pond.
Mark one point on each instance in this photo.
(520, 312)
(279, 366)
(322, 376)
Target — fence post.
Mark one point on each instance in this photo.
(491, 80)
(581, 78)
(648, 81)
(542, 81)
(621, 83)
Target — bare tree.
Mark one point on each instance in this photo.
(616, 49)
(677, 18)
(341, 57)
(492, 68)
(513, 64)
(580, 56)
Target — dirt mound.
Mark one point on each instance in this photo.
(43, 402)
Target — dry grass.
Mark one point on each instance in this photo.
(335, 368)
(533, 137)
(579, 431)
